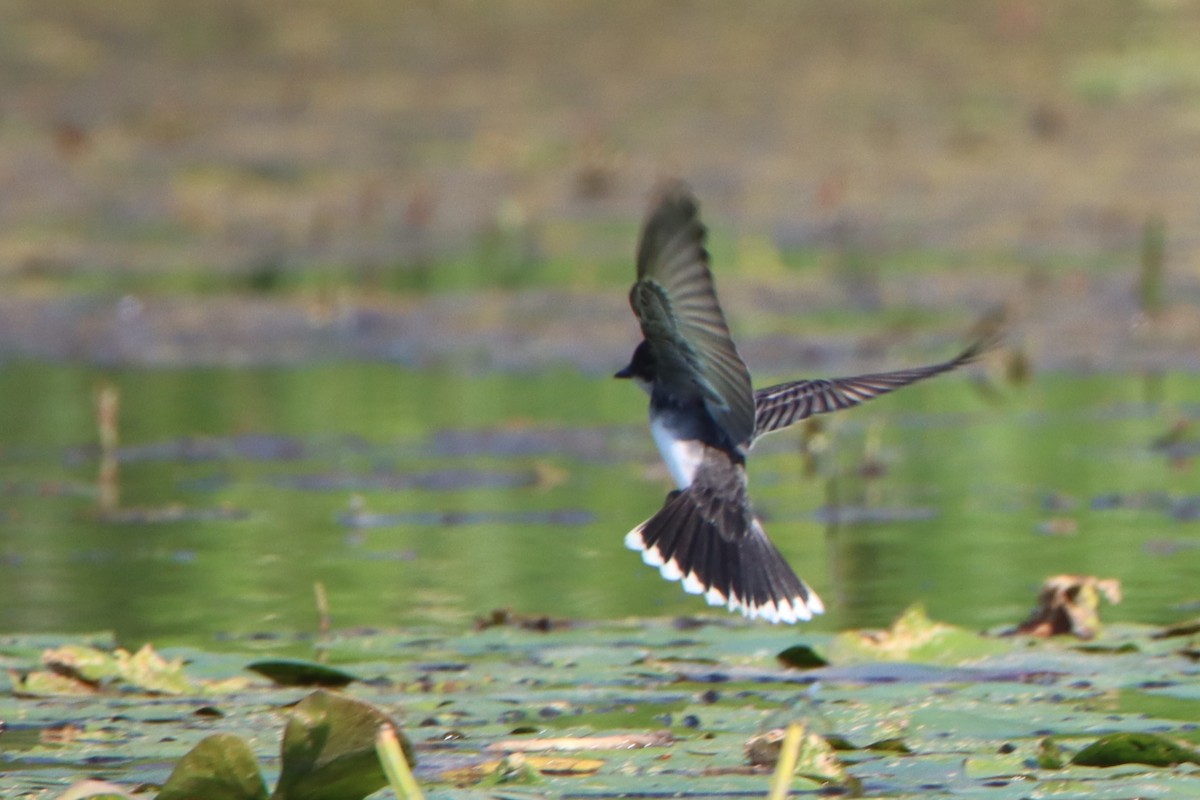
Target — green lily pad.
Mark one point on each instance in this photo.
(914, 637)
(1049, 755)
(294, 672)
(513, 769)
(41, 683)
(221, 767)
(891, 745)
(972, 731)
(149, 671)
(984, 766)
(81, 662)
(1187, 628)
(815, 757)
(81, 669)
(801, 656)
(329, 750)
(1135, 748)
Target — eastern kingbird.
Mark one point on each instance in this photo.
(705, 416)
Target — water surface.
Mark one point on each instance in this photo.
(429, 498)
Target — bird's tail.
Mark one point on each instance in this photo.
(723, 553)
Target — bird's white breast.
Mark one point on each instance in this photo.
(683, 456)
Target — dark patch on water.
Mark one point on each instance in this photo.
(150, 516)
(1181, 509)
(47, 488)
(571, 516)
(1168, 547)
(593, 444)
(875, 673)
(858, 515)
(186, 449)
(208, 483)
(444, 480)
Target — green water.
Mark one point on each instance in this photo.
(479, 492)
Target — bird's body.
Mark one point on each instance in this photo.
(683, 452)
(705, 417)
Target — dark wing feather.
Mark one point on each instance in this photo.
(677, 307)
(777, 407)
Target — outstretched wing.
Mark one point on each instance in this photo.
(777, 407)
(676, 304)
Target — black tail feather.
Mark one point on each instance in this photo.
(739, 569)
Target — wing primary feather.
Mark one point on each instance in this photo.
(676, 304)
(785, 404)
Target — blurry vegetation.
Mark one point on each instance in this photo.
(867, 171)
(431, 146)
(1153, 271)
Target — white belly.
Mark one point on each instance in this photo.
(683, 457)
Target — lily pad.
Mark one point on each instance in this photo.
(801, 656)
(42, 683)
(329, 750)
(81, 669)
(81, 662)
(1135, 748)
(1049, 755)
(515, 768)
(148, 670)
(293, 672)
(95, 790)
(221, 767)
(914, 637)
(667, 710)
(1070, 604)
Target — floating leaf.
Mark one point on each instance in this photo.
(818, 760)
(294, 672)
(993, 766)
(81, 662)
(1070, 604)
(620, 741)
(95, 790)
(814, 757)
(1135, 748)
(80, 669)
(839, 742)
(914, 636)
(1187, 628)
(148, 670)
(892, 745)
(801, 656)
(329, 750)
(1049, 755)
(559, 765)
(507, 617)
(41, 682)
(515, 768)
(585, 688)
(762, 750)
(221, 767)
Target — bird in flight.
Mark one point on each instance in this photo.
(705, 416)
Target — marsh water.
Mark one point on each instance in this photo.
(428, 498)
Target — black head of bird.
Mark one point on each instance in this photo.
(640, 368)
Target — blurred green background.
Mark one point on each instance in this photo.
(310, 243)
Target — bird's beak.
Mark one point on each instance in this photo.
(624, 372)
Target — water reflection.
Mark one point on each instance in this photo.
(426, 498)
